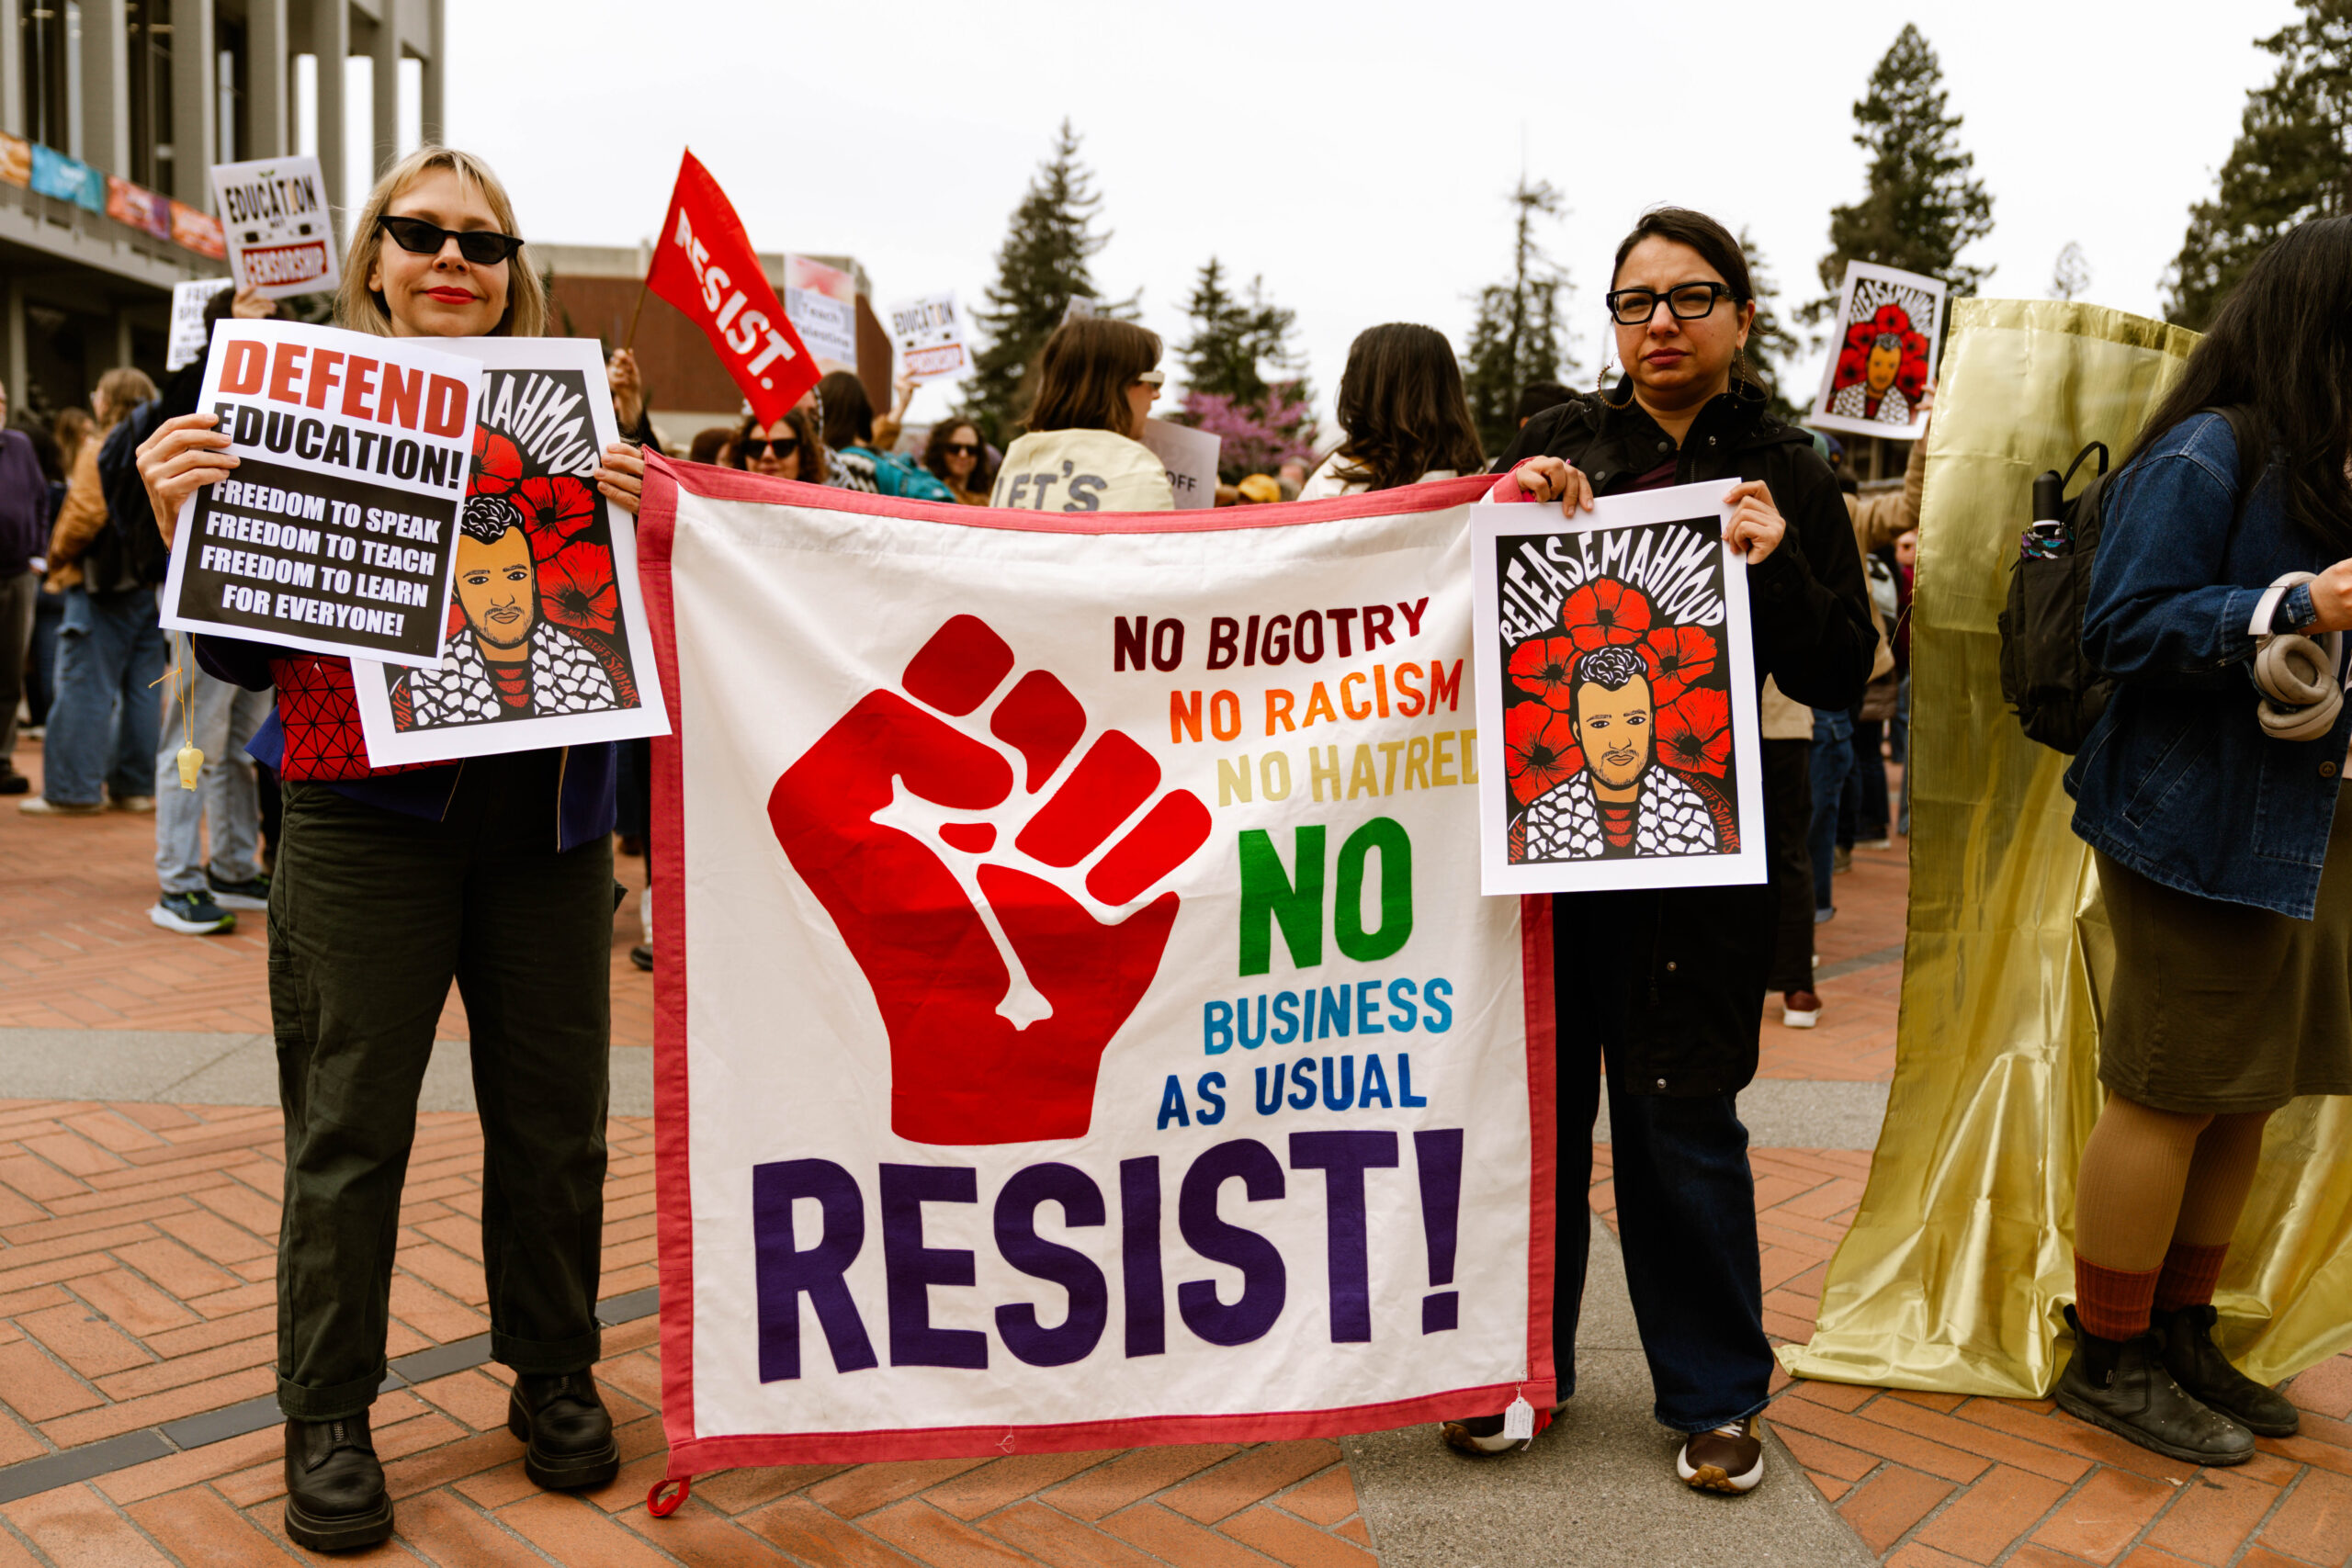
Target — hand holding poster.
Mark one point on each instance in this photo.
(548, 645)
(1155, 1071)
(928, 334)
(282, 237)
(704, 265)
(1889, 326)
(1616, 697)
(334, 533)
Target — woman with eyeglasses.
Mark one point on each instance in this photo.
(1662, 991)
(390, 884)
(1095, 386)
(957, 457)
(788, 449)
(1407, 421)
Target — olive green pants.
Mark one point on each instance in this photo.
(372, 915)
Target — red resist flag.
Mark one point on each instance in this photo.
(705, 267)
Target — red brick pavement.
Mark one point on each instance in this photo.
(136, 1248)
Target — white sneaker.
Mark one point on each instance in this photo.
(1795, 1017)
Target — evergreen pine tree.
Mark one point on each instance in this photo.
(1923, 205)
(2292, 161)
(1773, 347)
(1236, 338)
(1041, 268)
(1516, 336)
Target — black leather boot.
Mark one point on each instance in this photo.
(335, 1487)
(2122, 1384)
(2197, 1365)
(569, 1433)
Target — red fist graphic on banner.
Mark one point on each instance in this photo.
(1000, 988)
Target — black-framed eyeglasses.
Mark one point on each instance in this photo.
(962, 449)
(776, 446)
(1688, 301)
(483, 247)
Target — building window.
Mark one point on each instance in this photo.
(50, 34)
(234, 135)
(150, 87)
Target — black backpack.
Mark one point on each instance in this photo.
(2046, 678)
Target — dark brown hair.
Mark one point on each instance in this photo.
(849, 412)
(1701, 234)
(1402, 405)
(708, 444)
(934, 455)
(1083, 374)
(804, 425)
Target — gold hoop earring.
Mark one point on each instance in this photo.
(1739, 363)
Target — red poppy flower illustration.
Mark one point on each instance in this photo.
(576, 588)
(1604, 612)
(1541, 746)
(497, 465)
(1543, 667)
(1677, 656)
(1694, 732)
(555, 508)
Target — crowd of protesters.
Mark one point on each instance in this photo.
(390, 863)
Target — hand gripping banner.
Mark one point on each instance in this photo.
(1079, 1024)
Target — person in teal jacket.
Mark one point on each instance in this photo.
(849, 437)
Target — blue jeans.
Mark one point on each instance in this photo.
(1685, 1212)
(226, 803)
(1833, 757)
(104, 724)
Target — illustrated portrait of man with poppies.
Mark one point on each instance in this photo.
(537, 623)
(1883, 356)
(1619, 735)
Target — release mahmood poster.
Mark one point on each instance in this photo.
(1616, 696)
(1890, 324)
(547, 639)
(1078, 1023)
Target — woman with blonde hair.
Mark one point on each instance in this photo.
(392, 882)
(1096, 381)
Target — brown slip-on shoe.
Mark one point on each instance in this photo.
(1729, 1458)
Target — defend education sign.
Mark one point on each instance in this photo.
(337, 530)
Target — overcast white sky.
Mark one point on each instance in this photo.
(1358, 158)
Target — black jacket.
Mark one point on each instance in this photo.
(1672, 981)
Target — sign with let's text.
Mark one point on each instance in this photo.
(337, 530)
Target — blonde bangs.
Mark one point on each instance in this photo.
(362, 309)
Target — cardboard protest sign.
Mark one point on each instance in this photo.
(928, 334)
(1889, 324)
(548, 645)
(335, 532)
(1616, 697)
(189, 334)
(1078, 1022)
(705, 267)
(822, 302)
(282, 237)
(1191, 456)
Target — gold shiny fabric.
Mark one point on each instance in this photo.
(1961, 1255)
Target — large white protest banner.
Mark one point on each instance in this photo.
(274, 214)
(1078, 1023)
(1617, 711)
(550, 646)
(336, 529)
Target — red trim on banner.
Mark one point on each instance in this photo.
(1543, 1133)
(691, 1455)
(737, 484)
(657, 521)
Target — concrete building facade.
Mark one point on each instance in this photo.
(153, 92)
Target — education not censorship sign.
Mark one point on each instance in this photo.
(1156, 1072)
(273, 215)
(335, 530)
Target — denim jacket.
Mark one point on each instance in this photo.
(2176, 780)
